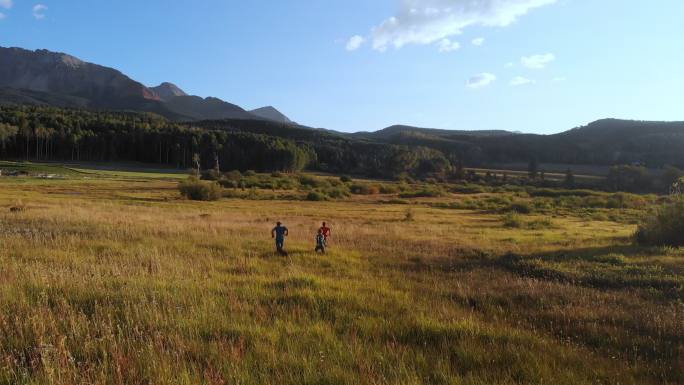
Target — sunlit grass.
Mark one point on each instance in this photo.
(111, 281)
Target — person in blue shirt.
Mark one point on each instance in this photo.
(279, 233)
(320, 242)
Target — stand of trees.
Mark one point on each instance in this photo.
(47, 133)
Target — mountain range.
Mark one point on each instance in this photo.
(46, 78)
(51, 78)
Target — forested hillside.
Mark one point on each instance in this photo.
(47, 133)
(605, 142)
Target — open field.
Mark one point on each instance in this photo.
(114, 280)
(92, 169)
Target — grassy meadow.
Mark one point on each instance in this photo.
(113, 278)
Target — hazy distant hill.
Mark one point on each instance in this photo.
(271, 113)
(604, 142)
(399, 131)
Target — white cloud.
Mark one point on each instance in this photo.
(39, 11)
(481, 80)
(429, 21)
(537, 61)
(478, 41)
(355, 42)
(7, 4)
(446, 45)
(521, 81)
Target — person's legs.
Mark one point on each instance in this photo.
(279, 245)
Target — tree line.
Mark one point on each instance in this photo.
(56, 134)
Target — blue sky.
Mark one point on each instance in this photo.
(360, 65)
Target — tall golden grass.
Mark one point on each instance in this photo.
(122, 282)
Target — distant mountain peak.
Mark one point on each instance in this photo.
(71, 61)
(167, 90)
(271, 113)
(49, 57)
(58, 73)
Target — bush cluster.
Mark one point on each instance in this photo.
(425, 192)
(665, 228)
(199, 190)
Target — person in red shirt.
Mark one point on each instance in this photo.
(325, 230)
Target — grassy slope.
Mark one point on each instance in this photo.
(118, 281)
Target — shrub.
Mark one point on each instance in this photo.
(250, 173)
(666, 228)
(198, 190)
(595, 202)
(337, 192)
(364, 189)
(408, 216)
(345, 179)
(520, 208)
(234, 175)
(316, 196)
(285, 184)
(512, 220)
(389, 189)
(227, 183)
(469, 189)
(395, 202)
(309, 181)
(539, 224)
(211, 175)
(423, 193)
(555, 193)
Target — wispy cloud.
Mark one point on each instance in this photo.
(39, 11)
(478, 41)
(2, 16)
(446, 45)
(558, 79)
(429, 21)
(521, 81)
(7, 4)
(537, 61)
(481, 80)
(355, 42)
(510, 64)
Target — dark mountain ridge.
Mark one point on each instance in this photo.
(59, 73)
(43, 77)
(166, 91)
(271, 113)
(403, 130)
(604, 142)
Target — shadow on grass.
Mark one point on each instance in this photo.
(610, 267)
